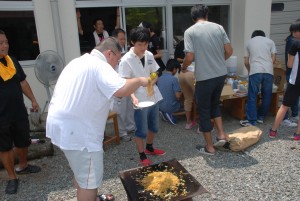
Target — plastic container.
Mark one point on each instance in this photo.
(231, 64)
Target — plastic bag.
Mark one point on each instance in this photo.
(34, 118)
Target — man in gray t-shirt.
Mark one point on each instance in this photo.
(208, 45)
(259, 58)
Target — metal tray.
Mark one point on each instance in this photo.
(135, 191)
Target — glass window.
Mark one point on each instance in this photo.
(153, 15)
(20, 29)
(182, 19)
(87, 16)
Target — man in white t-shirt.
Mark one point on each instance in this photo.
(139, 62)
(259, 59)
(78, 112)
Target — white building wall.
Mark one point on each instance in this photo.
(247, 16)
(280, 23)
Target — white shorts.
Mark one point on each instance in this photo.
(87, 167)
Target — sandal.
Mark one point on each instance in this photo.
(29, 169)
(106, 197)
(219, 142)
(203, 150)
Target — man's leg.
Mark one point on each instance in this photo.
(209, 143)
(253, 88)
(219, 124)
(86, 194)
(8, 159)
(266, 91)
(22, 155)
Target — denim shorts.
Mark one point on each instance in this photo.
(146, 119)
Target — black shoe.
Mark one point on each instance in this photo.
(12, 186)
(29, 169)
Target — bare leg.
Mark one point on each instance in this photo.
(86, 194)
(298, 128)
(220, 129)
(8, 159)
(139, 144)
(188, 115)
(279, 117)
(209, 143)
(150, 137)
(22, 155)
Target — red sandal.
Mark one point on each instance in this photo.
(106, 197)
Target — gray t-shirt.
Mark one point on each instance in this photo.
(206, 40)
(259, 50)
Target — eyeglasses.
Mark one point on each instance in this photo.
(115, 55)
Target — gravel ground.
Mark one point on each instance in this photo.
(269, 170)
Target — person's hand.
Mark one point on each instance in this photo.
(144, 81)
(35, 106)
(135, 101)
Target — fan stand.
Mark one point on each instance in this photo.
(49, 98)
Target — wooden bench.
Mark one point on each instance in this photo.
(115, 137)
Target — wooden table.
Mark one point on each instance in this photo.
(237, 105)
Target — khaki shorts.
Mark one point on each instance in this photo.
(87, 167)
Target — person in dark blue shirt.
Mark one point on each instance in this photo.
(169, 88)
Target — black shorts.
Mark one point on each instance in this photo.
(14, 134)
(292, 92)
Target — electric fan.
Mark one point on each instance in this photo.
(48, 66)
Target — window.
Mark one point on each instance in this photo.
(20, 29)
(182, 19)
(107, 14)
(153, 15)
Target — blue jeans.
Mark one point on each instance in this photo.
(264, 80)
(146, 119)
(295, 107)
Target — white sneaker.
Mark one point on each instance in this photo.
(288, 123)
(295, 119)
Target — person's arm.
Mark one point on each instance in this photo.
(290, 62)
(188, 59)
(158, 55)
(178, 95)
(228, 50)
(118, 18)
(78, 15)
(247, 64)
(131, 86)
(26, 89)
(273, 58)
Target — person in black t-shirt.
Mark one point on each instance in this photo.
(155, 47)
(292, 91)
(14, 124)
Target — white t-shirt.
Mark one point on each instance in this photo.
(259, 50)
(131, 66)
(80, 103)
(293, 75)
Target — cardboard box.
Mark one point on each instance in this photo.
(227, 90)
(279, 76)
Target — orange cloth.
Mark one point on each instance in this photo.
(7, 72)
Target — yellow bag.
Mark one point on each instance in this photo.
(243, 138)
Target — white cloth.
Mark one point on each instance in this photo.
(293, 75)
(131, 66)
(97, 40)
(259, 50)
(80, 104)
